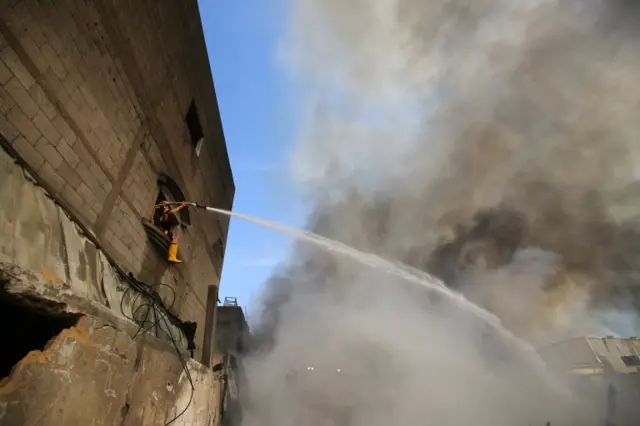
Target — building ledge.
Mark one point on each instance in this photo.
(155, 235)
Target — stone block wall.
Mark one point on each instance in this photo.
(102, 368)
(93, 98)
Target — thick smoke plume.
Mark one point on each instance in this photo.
(490, 142)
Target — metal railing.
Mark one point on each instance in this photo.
(230, 301)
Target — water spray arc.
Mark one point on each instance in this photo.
(399, 270)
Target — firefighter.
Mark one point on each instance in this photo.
(168, 222)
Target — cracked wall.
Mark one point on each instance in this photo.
(37, 235)
(96, 372)
(93, 98)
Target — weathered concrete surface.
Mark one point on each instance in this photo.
(232, 339)
(95, 373)
(597, 366)
(93, 97)
(232, 330)
(37, 235)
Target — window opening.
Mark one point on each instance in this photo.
(167, 221)
(168, 190)
(173, 222)
(157, 212)
(631, 360)
(195, 128)
(27, 329)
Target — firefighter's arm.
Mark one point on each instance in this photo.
(177, 209)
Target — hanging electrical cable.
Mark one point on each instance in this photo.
(161, 312)
(154, 303)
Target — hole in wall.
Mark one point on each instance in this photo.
(27, 327)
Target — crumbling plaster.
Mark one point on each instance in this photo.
(96, 373)
(102, 371)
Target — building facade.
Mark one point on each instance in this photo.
(604, 371)
(107, 107)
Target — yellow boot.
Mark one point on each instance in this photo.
(173, 253)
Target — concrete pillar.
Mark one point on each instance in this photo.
(210, 325)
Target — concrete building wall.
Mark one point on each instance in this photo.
(232, 330)
(602, 371)
(571, 353)
(100, 370)
(37, 235)
(93, 97)
(100, 367)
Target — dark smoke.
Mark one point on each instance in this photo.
(588, 243)
(492, 143)
(527, 141)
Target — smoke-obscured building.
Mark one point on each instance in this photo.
(232, 340)
(107, 107)
(605, 370)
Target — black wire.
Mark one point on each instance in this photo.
(186, 371)
(161, 312)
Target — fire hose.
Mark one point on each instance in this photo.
(188, 203)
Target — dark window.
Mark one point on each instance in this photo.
(157, 212)
(174, 220)
(159, 232)
(195, 128)
(631, 360)
(169, 190)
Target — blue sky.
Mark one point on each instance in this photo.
(258, 108)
